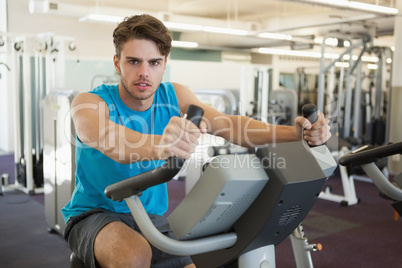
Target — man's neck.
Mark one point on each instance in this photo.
(134, 103)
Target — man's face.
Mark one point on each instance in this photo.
(141, 67)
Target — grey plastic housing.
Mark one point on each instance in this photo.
(227, 187)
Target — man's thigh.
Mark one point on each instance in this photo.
(83, 234)
(118, 245)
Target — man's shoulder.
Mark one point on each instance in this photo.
(166, 85)
(166, 88)
(104, 89)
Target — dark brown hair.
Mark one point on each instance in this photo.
(142, 27)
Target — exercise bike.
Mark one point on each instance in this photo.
(366, 157)
(241, 206)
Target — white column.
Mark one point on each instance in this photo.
(6, 96)
(395, 133)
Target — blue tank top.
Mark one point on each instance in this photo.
(95, 171)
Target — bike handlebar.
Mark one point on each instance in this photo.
(137, 184)
(368, 154)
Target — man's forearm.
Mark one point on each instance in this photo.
(126, 146)
(248, 132)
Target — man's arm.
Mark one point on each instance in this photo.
(91, 120)
(248, 132)
(90, 115)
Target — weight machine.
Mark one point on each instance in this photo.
(341, 111)
(258, 98)
(38, 66)
(254, 92)
(356, 124)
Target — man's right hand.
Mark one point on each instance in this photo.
(179, 138)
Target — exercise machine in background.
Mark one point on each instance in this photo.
(338, 106)
(357, 116)
(99, 79)
(259, 99)
(224, 100)
(38, 67)
(283, 105)
(44, 133)
(58, 156)
(366, 158)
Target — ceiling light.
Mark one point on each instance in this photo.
(184, 44)
(367, 58)
(363, 58)
(318, 40)
(312, 54)
(222, 30)
(297, 53)
(275, 36)
(341, 64)
(170, 25)
(372, 8)
(285, 52)
(101, 18)
(332, 41)
(353, 5)
(38, 6)
(182, 26)
(339, 3)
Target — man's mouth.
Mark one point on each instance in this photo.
(142, 84)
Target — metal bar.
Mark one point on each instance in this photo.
(172, 246)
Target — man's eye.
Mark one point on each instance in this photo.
(133, 62)
(154, 63)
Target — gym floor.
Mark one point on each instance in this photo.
(363, 235)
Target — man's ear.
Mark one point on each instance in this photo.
(116, 64)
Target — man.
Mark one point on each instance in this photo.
(127, 129)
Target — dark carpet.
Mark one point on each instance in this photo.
(364, 235)
(25, 241)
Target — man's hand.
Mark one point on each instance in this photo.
(315, 134)
(179, 138)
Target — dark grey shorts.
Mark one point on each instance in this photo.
(81, 231)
